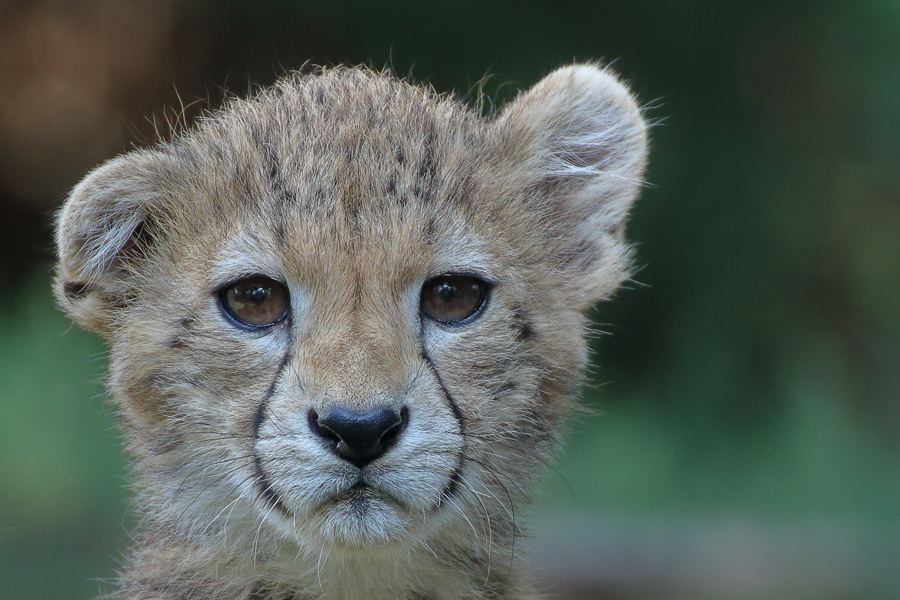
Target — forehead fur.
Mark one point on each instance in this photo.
(343, 158)
(344, 142)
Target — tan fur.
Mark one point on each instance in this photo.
(353, 188)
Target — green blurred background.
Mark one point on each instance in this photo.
(745, 435)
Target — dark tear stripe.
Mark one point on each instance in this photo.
(453, 486)
(453, 406)
(456, 478)
(265, 487)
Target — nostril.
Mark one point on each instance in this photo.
(320, 429)
(359, 438)
(390, 436)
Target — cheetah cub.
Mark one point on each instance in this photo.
(346, 318)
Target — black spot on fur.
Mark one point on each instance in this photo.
(522, 324)
(217, 150)
(463, 190)
(539, 425)
(615, 229)
(391, 185)
(507, 387)
(401, 157)
(496, 589)
(177, 341)
(246, 185)
(431, 230)
(288, 196)
(258, 593)
(75, 290)
(265, 591)
(273, 164)
(428, 168)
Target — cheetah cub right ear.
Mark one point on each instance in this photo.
(577, 144)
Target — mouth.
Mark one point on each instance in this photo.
(359, 514)
(359, 498)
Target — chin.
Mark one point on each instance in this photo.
(365, 519)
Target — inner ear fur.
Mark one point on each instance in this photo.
(104, 223)
(578, 142)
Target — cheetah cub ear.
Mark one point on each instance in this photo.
(100, 230)
(577, 143)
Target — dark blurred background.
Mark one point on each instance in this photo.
(744, 441)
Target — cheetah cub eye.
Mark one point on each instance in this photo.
(255, 302)
(454, 299)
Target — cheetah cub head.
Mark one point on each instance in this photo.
(345, 319)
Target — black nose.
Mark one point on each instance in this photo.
(359, 438)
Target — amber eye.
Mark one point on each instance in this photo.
(255, 302)
(453, 298)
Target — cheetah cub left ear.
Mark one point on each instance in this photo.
(577, 143)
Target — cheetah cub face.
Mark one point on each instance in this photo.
(346, 317)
